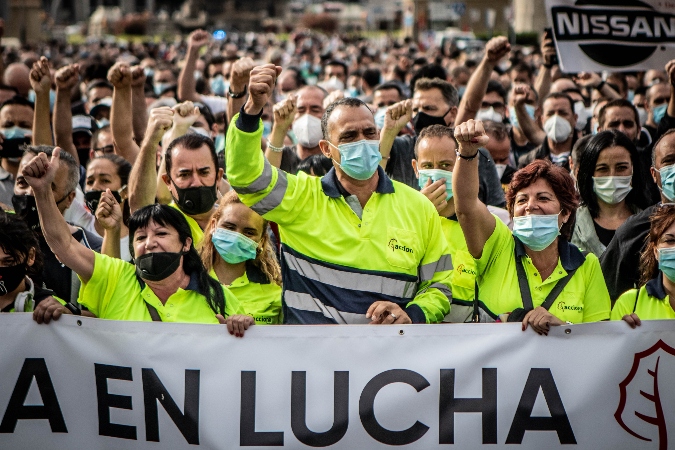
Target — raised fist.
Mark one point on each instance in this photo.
(67, 76)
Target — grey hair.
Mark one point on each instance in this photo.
(67, 158)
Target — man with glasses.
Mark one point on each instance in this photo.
(102, 142)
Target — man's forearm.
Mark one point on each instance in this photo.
(542, 84)
(187, 85)
(475, 91)
(42, 131)
(62, 122)
(121, 124)
(531, 130)
(387, 138)
(143, 175)
(140, 113)
(111, 243)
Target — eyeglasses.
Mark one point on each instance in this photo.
(495, 105)
(106, 149)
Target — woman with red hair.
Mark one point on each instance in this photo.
(533, 274)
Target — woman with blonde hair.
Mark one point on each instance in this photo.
(237, 252)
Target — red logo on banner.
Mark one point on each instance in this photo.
(640, 410)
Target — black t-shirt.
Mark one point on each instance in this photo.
(58, 277)
(289, 160)
(604, 235)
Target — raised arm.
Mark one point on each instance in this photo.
(41, 82)
(474, 218)
(239, 76)
(532, 132)
(284, 113)
(121, 125)
(142, 180)
(185, 114)
(109, 215)
(542, 84)
(495, 49)
(40, 173)
(62, 118)
(592, 80)
(186, 79)
(138, 106)
(396, 117)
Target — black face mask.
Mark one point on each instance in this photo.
(157, 266)
(11, 277)
(423, 120)
(195, 200)
(26, 209)
(92, 198)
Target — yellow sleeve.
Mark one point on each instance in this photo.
(597, 304)
(624, 305)
(434, 292)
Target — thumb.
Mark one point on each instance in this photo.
(278, 69)
(196, 111)
(56, 155)
(221, 319)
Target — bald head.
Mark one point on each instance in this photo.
(563, 84)
(17, 76)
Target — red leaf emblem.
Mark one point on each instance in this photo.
(640, 391)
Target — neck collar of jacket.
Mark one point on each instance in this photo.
(655, 287)
(570, 256)
(333, 188)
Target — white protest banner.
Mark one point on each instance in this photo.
(93, 384)
(595, 35)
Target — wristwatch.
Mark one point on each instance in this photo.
(238, 94)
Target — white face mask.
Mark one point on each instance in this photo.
(500, 169)
(557, 129)
(489, 114)
(582, 115)
(307, 130)
(612, 190)
(333, 84)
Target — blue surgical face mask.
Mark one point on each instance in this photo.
(630, 95)
(379, 117)
(461, 90)
(514, 119)
(102, 123)
(658, 112)
(217, 85)
(667, 262)
(149, 72)
(435, 175)
(536, 231)
(233, 247)
(359, 160)
(267, 128)
(160, 87)
(594, 130)
(668, 182)
(16, 132)
(220, 142)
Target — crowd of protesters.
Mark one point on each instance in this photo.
(333, 180)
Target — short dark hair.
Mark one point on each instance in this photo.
(65, 157)
(588, 159)
(449, 92)
(17, 240)
(390, 85)
(559, 95)
(522, 67)
(617, 103)
(123, 166)
(496, 86)
(560, 181)
(371, 77)
(349, 102)
(191, 141)
(431, 71)
(658, 142)
(335, 62)
(17, 100)
(435, 131)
